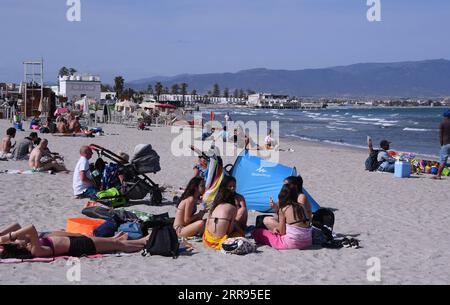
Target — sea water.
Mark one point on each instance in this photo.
(409, 129)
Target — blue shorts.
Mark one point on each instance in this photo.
(444, 154)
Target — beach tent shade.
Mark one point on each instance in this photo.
(163, 106)
(125, 105)
(258, 180)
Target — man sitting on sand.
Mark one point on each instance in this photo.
(83, 185)
(386, 162)
(37, 163)
(5, 151)
(444, 137)
(25, 146)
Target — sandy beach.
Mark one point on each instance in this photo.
(403, 222)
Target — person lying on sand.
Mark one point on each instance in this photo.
(7, 146)
(293, 230)
(39, 163)
(221, 223)
(18, 242)
(187, 221)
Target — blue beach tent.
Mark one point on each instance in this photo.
(258, 179)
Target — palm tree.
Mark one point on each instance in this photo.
(184, 90)
(216, 90)
(72, 71)
(158, 89)
(175, 88)
(118, 85)
(63, 71)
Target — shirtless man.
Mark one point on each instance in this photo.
(74, 125)
(5, 151)
(35, 163)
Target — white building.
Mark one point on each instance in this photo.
(76, 86)
(105, 94)
(259, 99)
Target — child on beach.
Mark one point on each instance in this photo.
(187, 221)
(5, 151)
(221, 223)
(293, 230)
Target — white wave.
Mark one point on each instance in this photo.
(356, 116)
(395, 114)
(418, 129)
(370, 119)
(356, 122)
(244, 113)
(386, 121)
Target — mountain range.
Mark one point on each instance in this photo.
(428, 78)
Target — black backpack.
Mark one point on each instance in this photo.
(163, 241)
(372, 163)
(323, 219)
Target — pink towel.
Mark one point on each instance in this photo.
(295, 238)
(41, 259)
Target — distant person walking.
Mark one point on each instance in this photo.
(444, 138)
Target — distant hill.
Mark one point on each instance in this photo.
(403, 79)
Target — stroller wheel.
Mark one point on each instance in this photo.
(155, 197)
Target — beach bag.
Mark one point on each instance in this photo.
(107, 229)
(163, 241)
(372, 163)
(237, 245)
(323, 219)
(110, 176)
(98, 212)
(111, 197)
(133, 229)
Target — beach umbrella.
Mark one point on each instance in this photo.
(149, 105)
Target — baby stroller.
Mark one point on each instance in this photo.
(136, 184)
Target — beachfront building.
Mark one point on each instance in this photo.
(74, 87)
(268, 100)
(108, 95)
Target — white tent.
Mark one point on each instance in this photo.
(125, 105)
(148, 105)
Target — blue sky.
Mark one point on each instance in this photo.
(140, 38)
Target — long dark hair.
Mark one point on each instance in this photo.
(226, 180)
(224, 195)
(297, 182)
(288, 197)
(13, 251)
(191, 188)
